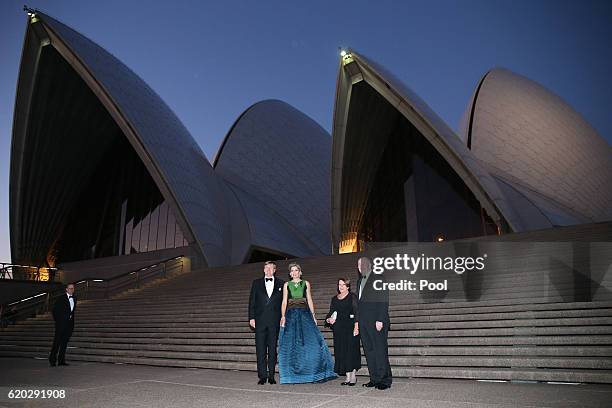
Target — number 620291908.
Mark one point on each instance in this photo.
(36, 393)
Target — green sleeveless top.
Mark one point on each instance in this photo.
(296, 292)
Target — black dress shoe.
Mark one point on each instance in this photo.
(345, 383)
(63, 364)
(382, 386)
(271, 380)
(352, 384)
(369, 384)
(261, 381)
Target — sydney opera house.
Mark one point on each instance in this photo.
(102, 168)
(106, 182)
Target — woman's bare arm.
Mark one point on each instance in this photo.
(284, 305)
(309, 300)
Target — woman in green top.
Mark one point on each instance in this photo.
(303, 355)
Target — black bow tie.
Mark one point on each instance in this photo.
(69, 297)
(269, 279)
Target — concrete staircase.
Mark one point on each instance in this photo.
(515, 330)
(199, 320)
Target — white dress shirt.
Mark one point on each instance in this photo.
(364, 280)
(269, 286)
(71, 301)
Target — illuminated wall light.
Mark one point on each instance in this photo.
(43, 274)
(348, 244)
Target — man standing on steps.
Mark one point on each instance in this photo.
(374, 325)
(264, 316)
(63, 315)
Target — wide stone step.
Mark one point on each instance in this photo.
(433, 361)
(434, 332)
(397, 317)
(86, 324)
(511, 276)
(441, 307)
(600, 376)
(205, 317)
(516, 374)
(242, 326)
(595, 363)
(462, 306)
(539, 351)
(169, 294)
(510, 284)
(539, 340)
(44, 346)
(577, 340)
(442, 314)
(430, 313)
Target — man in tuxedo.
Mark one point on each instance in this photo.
(264, 316)
(374, 325)
(63, 315)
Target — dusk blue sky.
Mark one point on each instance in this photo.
(210, 61)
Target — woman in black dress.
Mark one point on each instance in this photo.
(343, 319)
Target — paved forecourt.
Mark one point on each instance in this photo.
(118, 385)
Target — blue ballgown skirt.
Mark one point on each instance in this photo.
(303, 355)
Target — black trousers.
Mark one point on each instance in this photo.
(60, 342)
(376, 349)
(266, 338)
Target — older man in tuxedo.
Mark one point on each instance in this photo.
(63, 315)
(374, 325)
(264, 316)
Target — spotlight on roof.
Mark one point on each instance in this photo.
(343, 53)
(31, 12)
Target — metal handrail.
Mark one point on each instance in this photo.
(89, 288)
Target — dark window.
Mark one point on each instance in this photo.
(396, 187)
(109, 203)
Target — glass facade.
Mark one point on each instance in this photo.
(121, 211)
(88, 195)
(414, 194)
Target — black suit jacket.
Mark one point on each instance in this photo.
(373, 304)
(266, 310)
(61, 311)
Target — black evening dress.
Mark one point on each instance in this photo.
(346, 346)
